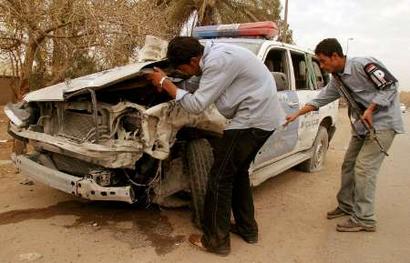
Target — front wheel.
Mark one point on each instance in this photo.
(200, 160)
(320, 146)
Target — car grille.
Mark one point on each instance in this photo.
(79, 127)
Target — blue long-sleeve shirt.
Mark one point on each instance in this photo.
(240, 86)
(364, 91)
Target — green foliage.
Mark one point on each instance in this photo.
(226, 12)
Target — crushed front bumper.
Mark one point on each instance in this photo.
(82, 187)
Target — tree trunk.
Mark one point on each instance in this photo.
(19, 147)
(206, 13)
(27, 68)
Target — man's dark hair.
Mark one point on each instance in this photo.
(182, 49)
(329, 46)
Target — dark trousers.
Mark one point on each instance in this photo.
(229, 187)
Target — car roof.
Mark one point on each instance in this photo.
(259, 41)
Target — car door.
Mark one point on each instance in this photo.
(283, 141)
(306, 87)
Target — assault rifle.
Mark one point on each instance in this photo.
(357, 110)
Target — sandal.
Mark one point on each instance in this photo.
(196, 240)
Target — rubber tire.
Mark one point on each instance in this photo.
(320, 146)
(199, 163)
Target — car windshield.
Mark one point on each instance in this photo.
(252, 46)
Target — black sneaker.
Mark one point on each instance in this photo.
(336, 213)
(247, 239)
(352, 226)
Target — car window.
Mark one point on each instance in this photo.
(318, 75)
(276, 62)
(300, 70)
(321, 78)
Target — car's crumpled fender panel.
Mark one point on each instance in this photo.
(165, 120)
(110, 156)
(160, 125)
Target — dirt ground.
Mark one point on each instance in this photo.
(41, 224)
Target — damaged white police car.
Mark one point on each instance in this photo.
(112, 136)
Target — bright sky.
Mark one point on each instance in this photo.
(378, 28)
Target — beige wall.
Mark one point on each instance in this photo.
(6, 92)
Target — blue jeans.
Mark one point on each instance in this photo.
(229, 187)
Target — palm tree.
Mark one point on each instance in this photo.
(223, 11)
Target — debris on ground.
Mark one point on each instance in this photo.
(27, 182)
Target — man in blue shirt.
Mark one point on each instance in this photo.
(243, 90)
(374, 90)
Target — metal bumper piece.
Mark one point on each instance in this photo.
(81, 187)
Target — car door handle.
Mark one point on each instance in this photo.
(293, 104)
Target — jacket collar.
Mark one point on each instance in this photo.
(348, 67)
(207, 49)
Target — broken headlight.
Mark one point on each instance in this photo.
(18, 113)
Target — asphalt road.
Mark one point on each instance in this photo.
(40, 224)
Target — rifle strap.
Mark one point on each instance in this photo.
(347, 94)
(354, 105)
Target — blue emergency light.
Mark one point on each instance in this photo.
(267, 29)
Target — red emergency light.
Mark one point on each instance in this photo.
(266, 29)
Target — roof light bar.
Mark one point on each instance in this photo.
(267, 29)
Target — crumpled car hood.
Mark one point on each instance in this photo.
(96, 80)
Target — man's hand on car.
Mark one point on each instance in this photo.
(157, 77)
(160, 80)
(291, 118)
(305, 109)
